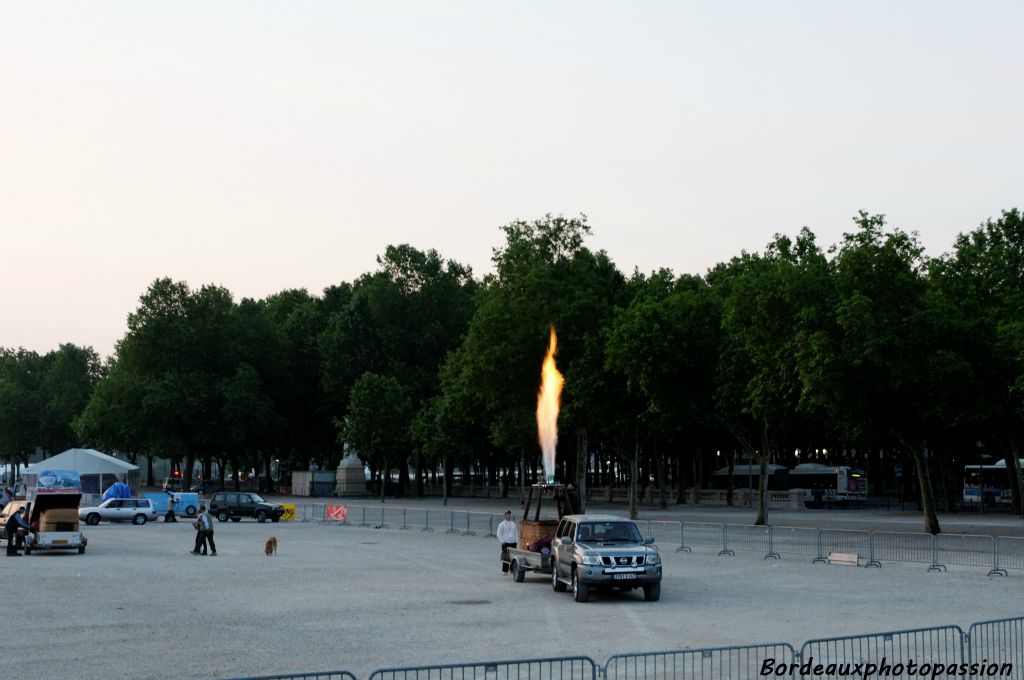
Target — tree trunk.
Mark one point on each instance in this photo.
(662, 481)
(634, 472)
(445, 479)
(581, 468)
(931, 521)
(731, 484)
(762, 490)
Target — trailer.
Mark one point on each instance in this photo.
(521, 562)
(53, 498)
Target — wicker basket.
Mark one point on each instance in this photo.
(532, 529)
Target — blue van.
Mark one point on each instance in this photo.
(187, 505)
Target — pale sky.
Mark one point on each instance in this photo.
(271, 145)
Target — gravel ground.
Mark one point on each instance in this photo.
(137, 604)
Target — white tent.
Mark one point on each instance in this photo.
(97, 470)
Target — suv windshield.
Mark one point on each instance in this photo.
(611, 532)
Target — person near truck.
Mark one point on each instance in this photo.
(16, 525)
(508, 536)
(172, 500)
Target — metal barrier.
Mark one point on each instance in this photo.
(895, 546)
(965, 550)
(988, 649)
(1010, 554)
(840, 540)
(322, 675)
(997, 642)
(701, 535)
(793, 541)
(932, 646)
(720, 663)
(750, 538)
(666, 534)
(567, 668)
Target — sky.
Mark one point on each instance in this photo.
(263, 146)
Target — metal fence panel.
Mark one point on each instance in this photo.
(896, 546)
(322, 675)
(965, 550)
(795, 541)
(702, 536)
(837, 657)
(566, 668)
(721, 663)
(997, 642)
(753, 539)
(667, 535)
(840, 540)
(1010, 552)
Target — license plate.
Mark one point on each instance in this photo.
(623, 577)
(60, 541)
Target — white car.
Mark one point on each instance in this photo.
(134, 510)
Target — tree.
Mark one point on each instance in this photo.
(378, 423)
(876, 368)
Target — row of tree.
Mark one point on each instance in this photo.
(865, 346)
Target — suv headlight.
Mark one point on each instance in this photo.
(654, 558)
(591, 559)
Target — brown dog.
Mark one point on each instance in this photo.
(271, 547)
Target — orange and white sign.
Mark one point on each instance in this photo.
(336, 513)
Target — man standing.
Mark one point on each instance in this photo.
(508, 536)
(172, 500)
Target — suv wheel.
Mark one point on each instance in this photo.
(652, 592)
(557, 585)
(223, 515)
(93, 519)
(261, 516)
(580, 590)
(139, 520)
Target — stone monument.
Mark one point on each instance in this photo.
(350, 478)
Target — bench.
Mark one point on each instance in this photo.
(846, 559)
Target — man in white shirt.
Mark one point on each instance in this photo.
(508, 536)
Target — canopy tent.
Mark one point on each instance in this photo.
(97, 470)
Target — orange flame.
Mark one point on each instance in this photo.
(548, 399)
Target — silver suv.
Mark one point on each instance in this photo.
(603, 551)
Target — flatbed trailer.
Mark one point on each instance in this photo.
(520, 562)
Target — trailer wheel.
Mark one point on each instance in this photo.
(518, 573)
(81, 550)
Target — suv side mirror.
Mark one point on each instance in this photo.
(567, 540)
(649, 540)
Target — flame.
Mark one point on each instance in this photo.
(548, 398)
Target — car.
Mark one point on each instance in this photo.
(235, 505)
(603, 551)
(134, 510)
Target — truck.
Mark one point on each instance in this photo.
(187, 504)
(53, 497)
(591, 552)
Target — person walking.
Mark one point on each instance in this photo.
(508, 536)
(172, 500)
(204, 533)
